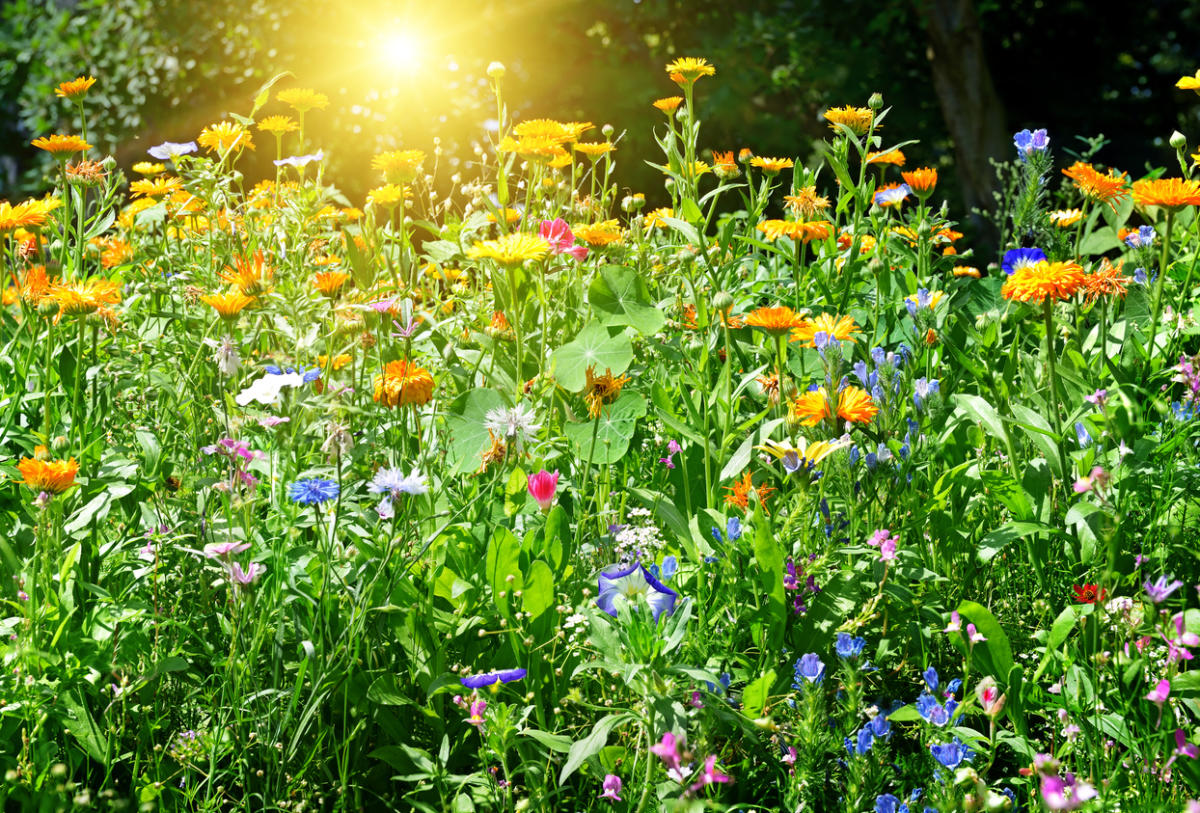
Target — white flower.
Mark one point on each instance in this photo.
(514, 425)
(393, 482)
(265, 390)
(227, 357)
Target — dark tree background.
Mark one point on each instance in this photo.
(961, 75)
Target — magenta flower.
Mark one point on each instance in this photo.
(710, 775)
(887, 550)
(224, 549)
(562, 241)
(955, 624)
(612, 788)
(477, 709)
(1159, 694)
(247, 577)
(1065, 793)
(974, 635)
(1183, 748)
(542, 487)
(668, 751)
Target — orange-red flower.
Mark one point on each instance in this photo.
(775, 321)
(330, 283)
(228, 305)
(251, 275)
(1107, 280)
(801, 231)
(601, 389)
(51, 476)
(1169, 193)
(806, 202)
(854, 405)
(669, 105)
(1094, 185)
(1035, 283)
(921, 181)
(402, 383)
(741, 490)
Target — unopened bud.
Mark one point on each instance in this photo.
(1178, 140)
(496, 70)
(876, 101)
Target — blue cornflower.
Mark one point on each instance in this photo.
(1019, 258)
(952, 754)
(847, 646)
(313, 491)
(809, 668)
(1027, 143)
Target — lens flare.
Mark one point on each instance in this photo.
(401, 51)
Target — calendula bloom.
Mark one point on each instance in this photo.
(740, 491)
(278, 125)
(655, 219)
(1169, 193)
(804, 457)
(599, 234)
(600, 390)
(224, 137)
(251, 275)
(388, 195)
(228, 305)
(1059, 280)
(921, 181)
(401, 164)
(669, 105)
(510, 249)
(1189, 83)
(806, 202)
(1107, 280)
(835, 327)
(892, 194)
(854, 405)
(549, 128)
(339, 361)
(113, 250)
(690, 68)
(539, 149)
(29, 214)
(61, 146)
(771, 166)
(725, 165)
(966, 271)
(50, 476)
(82, 297)
(893, 156)
(1094, 185)
(1065, 218)
(157, 187)
(776, 321)
(800, 231)
(303, 99)
(402, 383)
(75, 88)
(148, 169)
(858, 119)
(594, 149)
(86, 173)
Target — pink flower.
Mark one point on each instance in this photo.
(879, 537)
(223, 549)
(667, 750)
(1159, 694)
(542, 487)
(1065, 793)
(955, 624)
(1184, 748)
(975, 636)
(789, 758)
(1097, 480)
(477, 709)
(990, 697)
(696, 702)
(887, 550)
(612, 787)
(247, 577)
(562, 241)
(710, 775)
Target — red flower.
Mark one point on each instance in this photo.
(1088, 593)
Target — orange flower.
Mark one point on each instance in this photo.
(30, 214)
(690, 69)
(228, 305)
(837, 327)
(806, 202)
(1036, 282)
(598, 234)
(225, 136)
(1170, 193)
(669, 105)
(1065, 218)
(61, 146)
(1107, 280)
(158, 187)
(741, 490)
(771, 166)
(725, 165)
(51, 476)
(85, 296)
(921, 181)
(854, 405)
(1096, 186)
(339, 361)
(303, 99)
(770, 387)
(251, 275)
(594, 149)
(810, 408)
(966, 271)
(775, 321)
(892, 156)
(402, 383)
(858, 119)
(76, 87)
(804, 232)
(330, 283)
(601, 389)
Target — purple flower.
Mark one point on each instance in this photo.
(245, 577)
(1019, 258)
(710, 774)
(612, 788)
(632, 585)
(1027, 143)
(488, 678)
(1065, 793)
(809, 668)
(1160, 590)
(890, 197)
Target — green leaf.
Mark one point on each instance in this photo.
(994, 654)
(516, 492)
(537, 595)
(1004, 487)
(1100, 241)
(593, 347)
(263, 95)
(1061, 628)
(980, 410)
(619, 297)
(754, 697)
(768, 555)
(589, 745)
(617, 424)
(503, 565)
(464, 421)
(1000, 538)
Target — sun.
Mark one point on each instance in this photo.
(401, 51)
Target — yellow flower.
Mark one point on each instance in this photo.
(598, 234)
(303, 99)
(402, 383)
(893, 156)
(1035, 283)
(771, 166)
(278, 125)
(801, 231)
(81, 297)
(156, 187)
(76, 87)
(61, 145)
(690, 68)
(547, 129)
(148, 169)
(669, 105)
(330, 283)
(805, 456)
(404, 165)
(1169, 193)
(30, 214)
(251, 275)
(536, 148)
(51, 476)
(966, 271)
(774, 321)
(935, 297)
(339, 361)
(388, 195)
(654, 219)
(601, 389)
(1064, 218)
(806, 202)
(228, 305)
(594, 149)
(1189, 83)
(225, 136)
(510, 249)
(854, 405)
(858, 119)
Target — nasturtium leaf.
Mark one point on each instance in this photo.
(464, 421)
(537, 595)
(616, 427)
(619, 297)
(593, 347)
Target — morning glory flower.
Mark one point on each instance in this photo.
(313, 491)
(169, 150)
(1028, 142)
(1019, 258)
(634, 585)
(300, 160)
(892, 196)
(488, 678)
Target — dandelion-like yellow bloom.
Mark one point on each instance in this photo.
(1035, 283)
(158, 187)
(510, 215)
(594, 149)
(806, 202)
(330, 283)
(29, 214)
(775, 321)
(598, 234)
(76, 87)
(278, 125)
(893, 156)
(1169, 193)
(854, 405)
(1065, 218)
(51, 476)
(654, 219)
(669, 105)
(388, 195)
(402, 383)
(184, 204)
(690, 68)
(801, 231)
(547, 129)
(1094, 185)
(601, 389)
(250, 275)
(841, 328)
(224, 137)
(148, 168)
(772, 166)
(1189, 83)
(858, 119)
(228, 304)
(403, 165)
(61, 146)
(303, 99)
(510, 249)
(339, 361)
(536, 148)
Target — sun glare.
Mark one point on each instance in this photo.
(401, 51)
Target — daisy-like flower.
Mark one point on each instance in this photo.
(82, 297)
(148, 169)
(854, 405)
(75, 88)
(1170, 193)
(313, 491)
(510, 249)
(402, 165)
(806, 202)
(655, 219)
(330, 283)
(303, 99)
(594, 149)
(858, 119)
(893, 156)
(1034, 284)
(61, 146)
(157, 187)
(668, 105)
(30, 214)
(776, 321)
(690, 68)
(86, 173)
(278, 125)
(402, 383)
(514, 424)
(835, 327)
(921, 181)
(1107, 280)
(923, 298)
(772, 166)
(228, 305)
(892, 194)
(1094, 185)
(1189, 83)
(800, 231)
(598, 234)
(601, 390)
(50, 476)
(388, 195)
(250, 275)
(1065, 218)
(224, 137)
(394, 483)
(740, 491)
(562, 132)
(806, 456)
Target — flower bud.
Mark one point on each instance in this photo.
(496, 70)
(723, 300)
(608, 130)
(1178, 140)
(876, 101)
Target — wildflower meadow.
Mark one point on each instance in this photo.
(770, 494)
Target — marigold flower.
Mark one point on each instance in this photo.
(510, 249)
(330, 283)
(836, 327)
(76, 87)
(801, 231)
(1169, 193)
(278, 125)
(669, 105)
(550, 130)
(1094, 185)
(594, 149)
(854, 405)
(29, 214)
(388, 195)
(403, 165)
(893, 156)
(771, 166)
(725, 165)
(1107, 280)
(51, 476)
(339, 361)
(61, 146)
(921, 181)
(806, 202)
(1043, 279)
(690, 68)
(598, 234)
(1065, 218)
(535, 148)
(85, 296)
(858, 119)
(775, 321)
(35, 285)
(600, 390)
(251, 275)
(966, 271)
(402, 383)
(741, 490)
(149, 169)
(229, 304)
(655, 219)
(1189, 83)
(224, 136)
(303, 99)
(87, 173)
(113, 250)
(158, 187)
